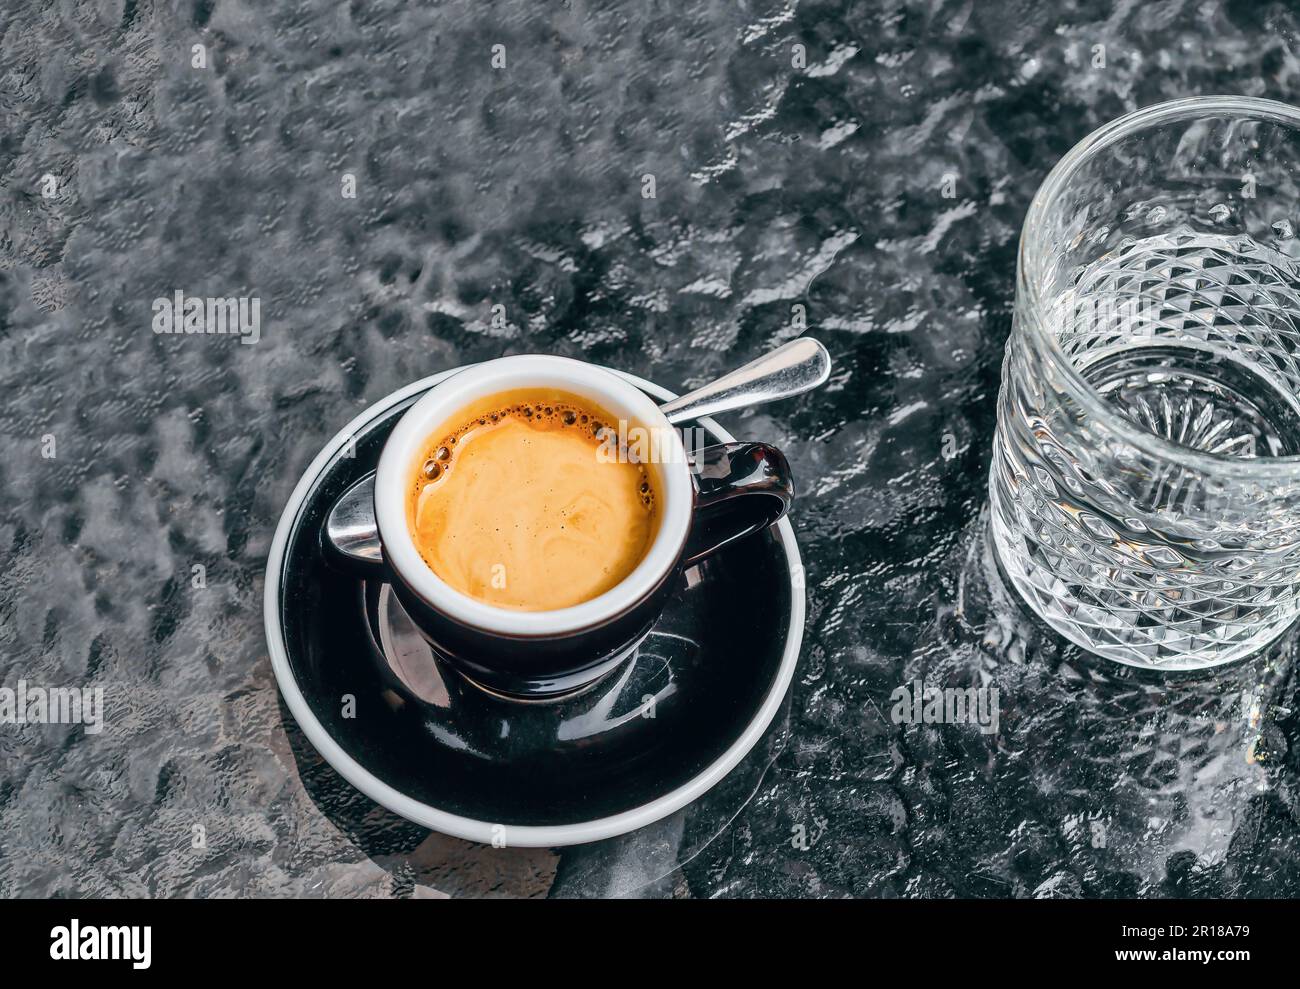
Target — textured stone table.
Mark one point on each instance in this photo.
(868, 162)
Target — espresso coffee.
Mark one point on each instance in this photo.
(524, 501)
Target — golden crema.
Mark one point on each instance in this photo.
(517, 502)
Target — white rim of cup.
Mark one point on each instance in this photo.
(472, 829)
(409, 441)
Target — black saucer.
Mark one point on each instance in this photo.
(422, 741)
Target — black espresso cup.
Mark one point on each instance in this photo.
(707, 500)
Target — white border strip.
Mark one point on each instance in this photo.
(548, 836)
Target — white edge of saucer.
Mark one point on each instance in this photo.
(547, 836)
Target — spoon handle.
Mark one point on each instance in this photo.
(792, 368)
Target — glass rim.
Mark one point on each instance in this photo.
(1027, 287)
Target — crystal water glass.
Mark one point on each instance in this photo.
(1145, 484)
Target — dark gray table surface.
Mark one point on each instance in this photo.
(880, 184)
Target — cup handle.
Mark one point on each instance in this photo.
(740, 489)
(351, 536)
